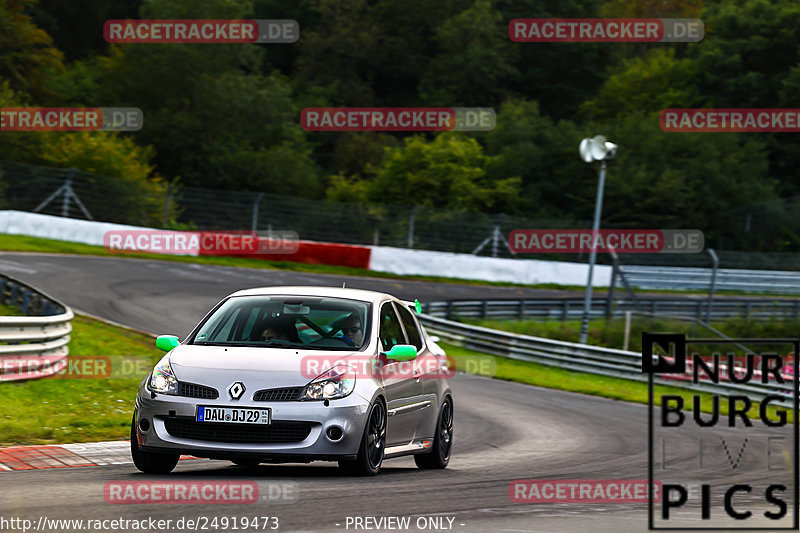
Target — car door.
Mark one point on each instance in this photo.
(427, 372)
(401, 388)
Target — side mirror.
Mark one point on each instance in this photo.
(402, 352)
(167, 342)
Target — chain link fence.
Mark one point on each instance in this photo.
(79, 194)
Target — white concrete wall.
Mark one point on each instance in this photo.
(463, 266)
(58, 228)
(382, 258)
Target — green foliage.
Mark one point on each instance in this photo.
(680, 180)
(27, 57)
(226, 116)
(447, 172)
(475, 61)
(542, 152)
(651, 83)
(214, 119)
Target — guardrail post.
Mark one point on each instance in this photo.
(521, 309)
(748, 306)
(612, 286)
(484, 309)
(411, 226)
(565, 311)
(449, 311)
(715, 265)
(254, 221)
(26, 300)
(796, 308)
(627, 330)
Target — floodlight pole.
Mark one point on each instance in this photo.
(598, 207)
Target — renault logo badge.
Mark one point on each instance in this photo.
(236, 390)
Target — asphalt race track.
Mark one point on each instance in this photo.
(503, 431)
(148, 295)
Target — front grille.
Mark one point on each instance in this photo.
(277, 432)
(197, 391)
(286, 394)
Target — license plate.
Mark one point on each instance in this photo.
(233, 415)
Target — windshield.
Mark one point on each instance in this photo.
(287, 322)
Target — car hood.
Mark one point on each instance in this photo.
(257, 368)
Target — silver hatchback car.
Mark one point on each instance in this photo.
(298, 374)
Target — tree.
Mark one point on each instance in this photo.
(27, 56)
(475, 62)
(213, 118)
(447, 172)
(541, 151)
(651, 83)
(680, 180)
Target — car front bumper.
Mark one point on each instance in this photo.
(347, 413)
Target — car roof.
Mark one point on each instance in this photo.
(313, 290)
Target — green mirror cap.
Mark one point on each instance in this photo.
(402, 352)
(418, 307)
(166, 342)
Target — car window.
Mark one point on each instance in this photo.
(390, 332)
(412, 332)
(287, 321)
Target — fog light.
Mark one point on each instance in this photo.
(334, 433)
(144, 425)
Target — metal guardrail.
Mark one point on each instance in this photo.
(578, 357)
(572, 308)
(35, 345)
(684, 278)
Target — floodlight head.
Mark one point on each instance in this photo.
(611, 150)
(585, 150)
(597, 149)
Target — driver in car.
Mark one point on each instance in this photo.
(352, 333)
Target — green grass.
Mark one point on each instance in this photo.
(552, 377)
(611, 333)
(54, 410)
(21, 243)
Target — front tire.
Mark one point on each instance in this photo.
(148, 462)
(439, 456)
(373, 444)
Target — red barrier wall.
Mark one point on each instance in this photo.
(321, 253)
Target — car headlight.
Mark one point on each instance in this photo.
(336, 382)
(162, 379)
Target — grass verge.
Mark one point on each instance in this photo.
(552, 377)
(22, 243)
(55, 410)
(611, 333)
